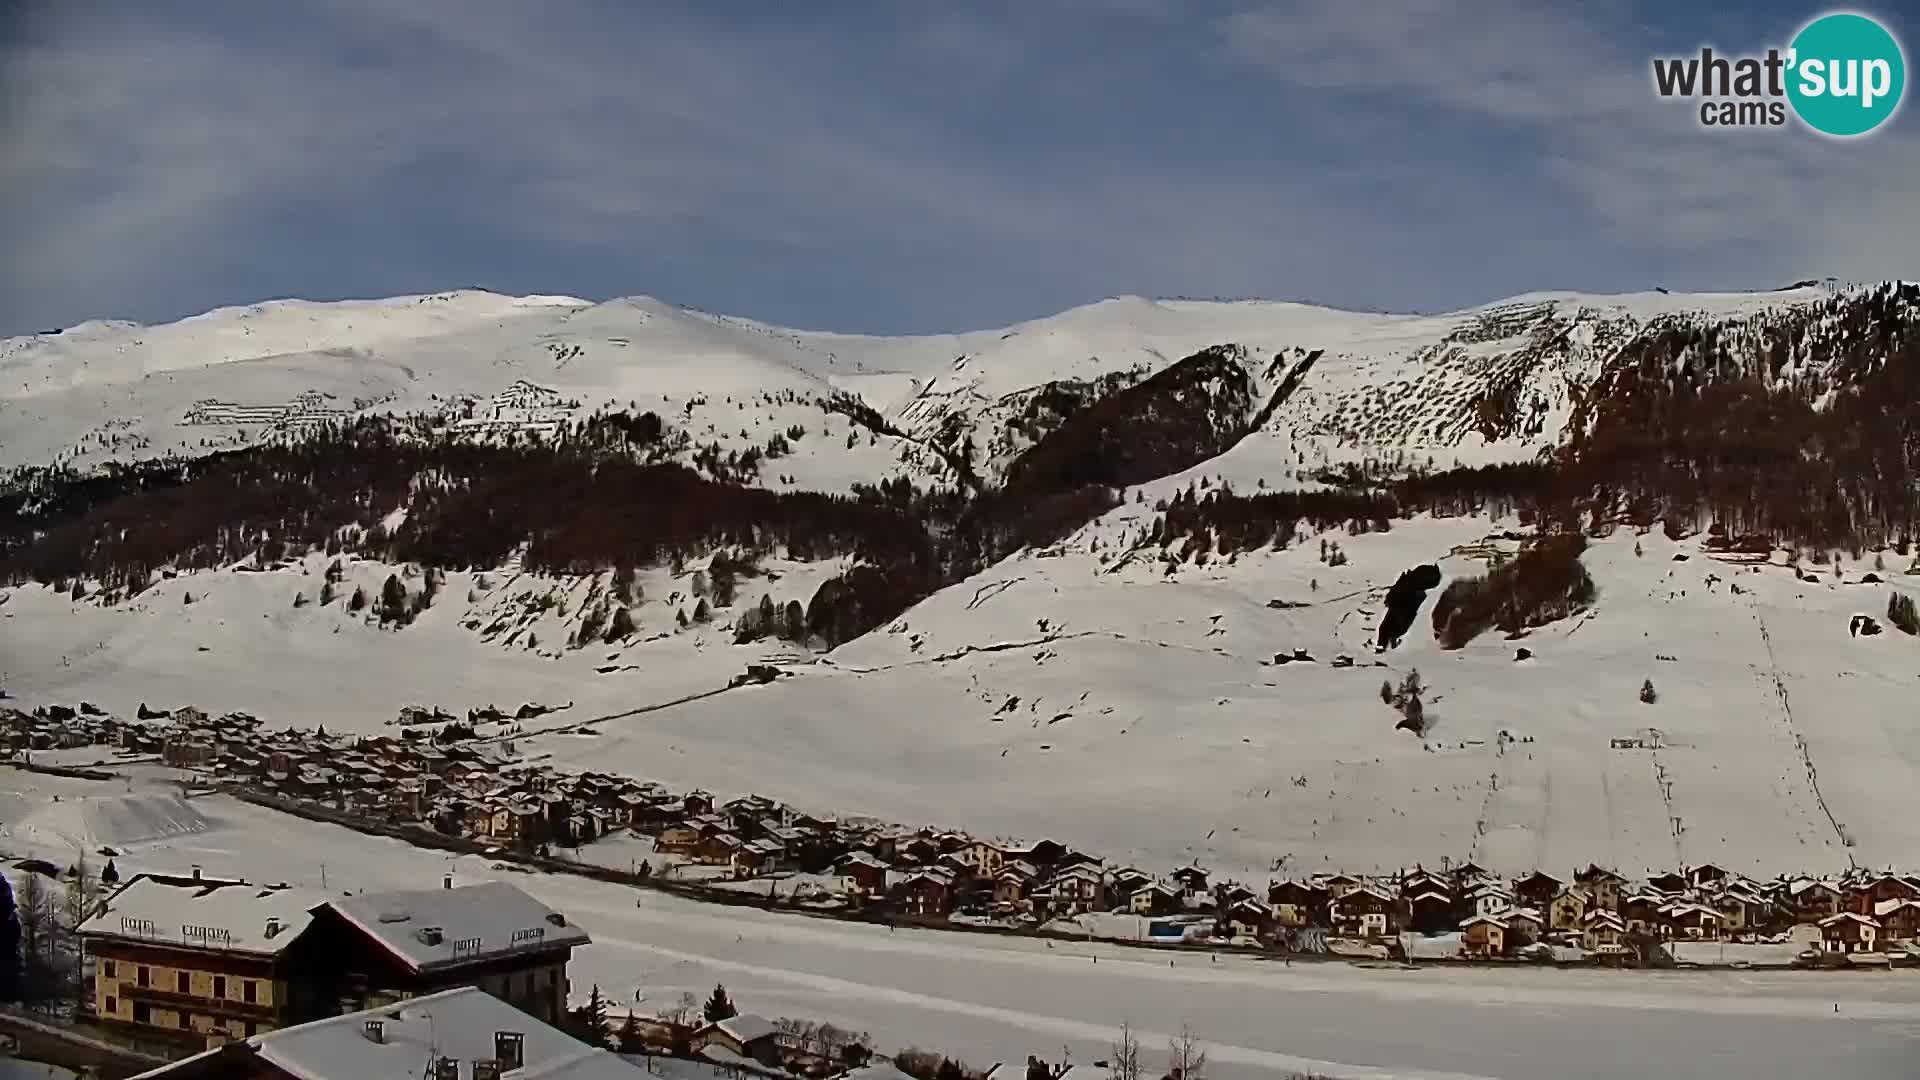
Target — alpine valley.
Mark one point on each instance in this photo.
(1148, 578)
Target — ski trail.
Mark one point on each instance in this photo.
(1799, 741)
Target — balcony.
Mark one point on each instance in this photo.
(193, 1003)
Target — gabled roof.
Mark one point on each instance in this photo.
(204, 913)
(459, 1024)
(434, 928)
(1845, 916)
(746, 1028)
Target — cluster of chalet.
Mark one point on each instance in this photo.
(204, 960)
(477, 788)
(188, 736)
(1601, 912)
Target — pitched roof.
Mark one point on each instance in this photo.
(746, 1028)
(1835, 920)
(204, 913)
(474, 922)
(458, 1024)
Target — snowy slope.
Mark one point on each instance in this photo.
(1379, 383)
(1141, 717)
(1122, 710)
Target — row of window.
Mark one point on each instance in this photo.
(143, 1014)
(183, 982)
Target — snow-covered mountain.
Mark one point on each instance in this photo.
(1491, 383)
(1069, 597)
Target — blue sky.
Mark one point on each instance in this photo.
(902, 166)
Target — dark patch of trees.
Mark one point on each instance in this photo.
(1901, 613)
(1403, 603)
(468, 506)
(1699, 423)
(1545, 582)
(1188, 412)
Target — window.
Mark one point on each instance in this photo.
(106, 968)
(141, 1014)
(247, 991)
(144, 975)
(112, 1006)
(219, 986)
(183, 982)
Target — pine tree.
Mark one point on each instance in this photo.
(326, 593)
(594, 1016)
(702, 613)
(620, 626)
(719, 1007)
(1901, 613)
(358, 601)
(110, 875)
(393, 600)
(1647, 694)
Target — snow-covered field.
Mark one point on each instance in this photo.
(988, 999)
(1141, 718)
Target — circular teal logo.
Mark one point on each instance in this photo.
(1847, 74)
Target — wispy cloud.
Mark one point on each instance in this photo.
(891, 166)
(1574, 84)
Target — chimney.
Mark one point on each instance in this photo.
(446, 1068)
(486, 1069)
(273, 927)
(196, 871)
(376, 1031)
(447, 882)
(508, 1048)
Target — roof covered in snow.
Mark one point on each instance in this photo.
(459, 1024)
(430, 928)
(205, 913)
(747, 1027)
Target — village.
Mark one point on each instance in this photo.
(439, 776)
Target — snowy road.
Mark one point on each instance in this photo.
(987, 999)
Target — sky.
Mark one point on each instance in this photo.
(902, 166)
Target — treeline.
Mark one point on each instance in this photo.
(1696, 426)
(1224, 522)
(1193, 410)
(460, 505)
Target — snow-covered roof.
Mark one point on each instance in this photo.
(204, 913)
(459, 1024)
(879, 1070)
(473, 922)
(1846, 916)
(747, 1027)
